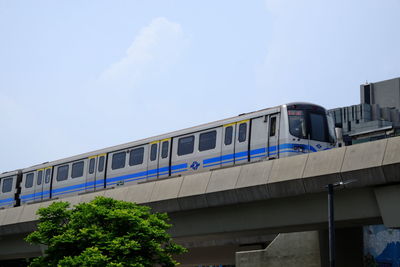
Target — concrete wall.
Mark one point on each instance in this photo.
(287, 250)
(307, 249)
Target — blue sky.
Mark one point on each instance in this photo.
(76, 76)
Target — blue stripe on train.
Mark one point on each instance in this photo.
(239, 156)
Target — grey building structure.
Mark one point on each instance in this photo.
(376, 117)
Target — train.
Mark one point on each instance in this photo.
(267, 134)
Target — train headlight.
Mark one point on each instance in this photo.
(299, 149)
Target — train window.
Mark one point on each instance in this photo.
(62, 173)
(7, 185)
(185, 145)
(39, 178)
(207, 140)
(77, 169)
(29, 180)
(47, 176)
(164, 149)
(136, 156)
(228, 135)
(318, 127)
(92, 162)
(118, 160)
(272, 126)
(153, 152)
(101, 164)
(297, 123)
(242, 132)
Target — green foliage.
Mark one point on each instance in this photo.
(103, 232)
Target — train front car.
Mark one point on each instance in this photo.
(308, 129)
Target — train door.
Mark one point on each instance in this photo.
(95, 173)
(137, 165)
(164, 158)
(28, 187)
(91, 174)
(242, 142)
(152, 163)
(183, 154)
(259, 138)
(208, 149)
(39, 185)
(8, 189)
(46, 183)
(228, 145)
(101, 172)
(273, 136)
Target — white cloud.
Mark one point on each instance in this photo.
(155, 48)
(135, 84)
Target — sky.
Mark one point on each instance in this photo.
(76, 76)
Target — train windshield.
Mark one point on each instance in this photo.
(307, 121)
(297, 123)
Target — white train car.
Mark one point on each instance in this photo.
(271, 133)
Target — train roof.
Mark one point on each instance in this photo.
(10, 173)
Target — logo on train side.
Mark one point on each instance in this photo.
(319, 146)
(195, 165)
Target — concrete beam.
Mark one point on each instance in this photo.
(363, 164)
(285, 177)
(252, 182)
(220, 189)
(193, 189)
(391, 161)
(388, 198)
(278, 215)
(323, 168)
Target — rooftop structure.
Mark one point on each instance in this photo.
(376, 117)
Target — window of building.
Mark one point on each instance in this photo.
(136, 156)
(164, 149)
(185, 145)
(118, 160)
(7, 185)
(207, 140)
(367, 94)
(101, 164)
(92, 163)
(47, 176)
(29, 180)
(39, 178)
(62, 173)
(242, 132)
(153, 152)
(77, 169)
(228, 135)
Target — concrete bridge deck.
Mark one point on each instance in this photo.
(251, 202)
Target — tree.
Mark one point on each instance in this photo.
(103, 232)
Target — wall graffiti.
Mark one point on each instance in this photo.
(381, 246)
